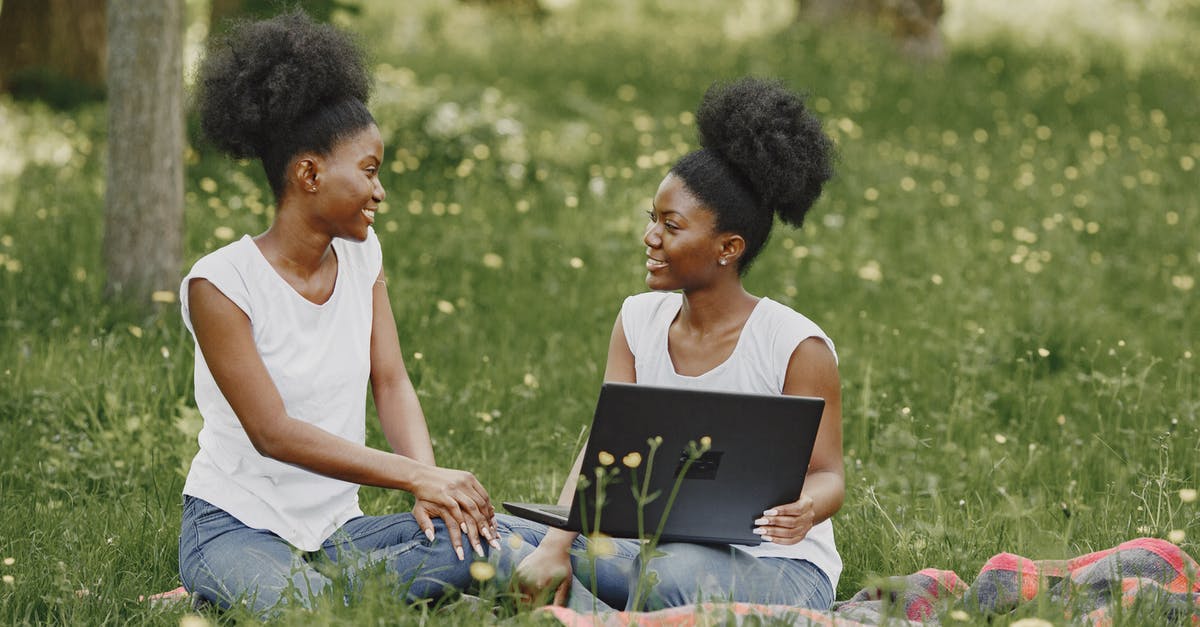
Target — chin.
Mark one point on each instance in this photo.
(658, 284)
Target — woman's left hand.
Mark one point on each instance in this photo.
(786, 524)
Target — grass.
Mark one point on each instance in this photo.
(1007, 261)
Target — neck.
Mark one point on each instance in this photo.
(292, 242)
(715, 307)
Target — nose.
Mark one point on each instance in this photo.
(652, 237)
(378, 193)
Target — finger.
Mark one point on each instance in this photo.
(780, 521)
(563, 590)
(472, 530)
(481, 499)
(451, 516)
(490, 534)
(423, 521)
(782, 535)
(473, 521)
(789, 509)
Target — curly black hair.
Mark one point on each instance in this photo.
(763, 154)
(274, 88)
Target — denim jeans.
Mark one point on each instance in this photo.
(685, 573)
(598, 585)
(223, 561)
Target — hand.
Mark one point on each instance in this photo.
(786, 524)
(544, 569)
(457, 498)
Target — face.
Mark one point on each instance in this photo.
(683, 247)
(347, 183)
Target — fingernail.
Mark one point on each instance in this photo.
(463, 526)
(495, 543)
(478, 549)
(759, 531)
(767, 539)
(771, 512)
(762, 521)
(487, 533)
(429, 534)
(461, 557)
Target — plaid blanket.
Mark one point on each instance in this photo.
(1135, 577)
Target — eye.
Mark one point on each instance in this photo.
(372, 170)
(650, 214)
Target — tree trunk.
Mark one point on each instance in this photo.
(54, 38)
(144, 200)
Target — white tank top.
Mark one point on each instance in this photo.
(758, 365)
(319, 357)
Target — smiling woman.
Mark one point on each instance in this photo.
(764, 155)
(290, 326)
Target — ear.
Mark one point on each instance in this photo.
(305, 172)
(732, 247)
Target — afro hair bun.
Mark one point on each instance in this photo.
(765, 134)
(262, 78)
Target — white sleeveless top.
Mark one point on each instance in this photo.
(758, 365)
(319, 357)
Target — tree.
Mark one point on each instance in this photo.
(913, 23)
(143, 230)
(46, 42)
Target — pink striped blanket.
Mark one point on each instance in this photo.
(1147, 579)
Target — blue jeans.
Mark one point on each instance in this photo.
(598, 585)
(691, 573)
(685, 573)
(223, 561)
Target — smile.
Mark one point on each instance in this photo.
(653, 264)
(370, 213)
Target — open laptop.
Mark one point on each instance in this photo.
(758, 457)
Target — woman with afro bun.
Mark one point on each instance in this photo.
(763, 155)
(290, 326)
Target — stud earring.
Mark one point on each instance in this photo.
(723, 261)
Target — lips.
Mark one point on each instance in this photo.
(370, 213)
(653, 264)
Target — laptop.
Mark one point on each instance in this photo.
(757, 458)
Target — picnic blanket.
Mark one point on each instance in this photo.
(1093, 588)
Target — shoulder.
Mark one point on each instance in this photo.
(229, 256)
(365, 256)
(647, 303)
(640, 312)
(230, 269)
(789, 329)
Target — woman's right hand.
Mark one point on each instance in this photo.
(458, 498)
(546, 568)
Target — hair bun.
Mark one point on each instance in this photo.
(764, 132)
(264, 77)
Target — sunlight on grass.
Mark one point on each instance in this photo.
(1006, 259)
(1137, 31)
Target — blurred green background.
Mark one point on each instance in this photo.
(1007, 261)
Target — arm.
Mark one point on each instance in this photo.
(812, 371)
(550, 562)
(400, 413)
(396, 401)
(227, 343)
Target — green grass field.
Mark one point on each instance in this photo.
(1008, 262)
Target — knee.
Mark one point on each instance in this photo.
(677, 576)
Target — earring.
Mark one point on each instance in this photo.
(723, 261)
